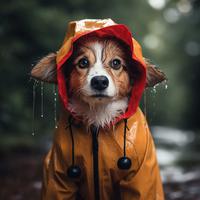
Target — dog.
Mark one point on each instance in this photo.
(96, 80)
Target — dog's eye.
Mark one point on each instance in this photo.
(83, 63)
(116, 64)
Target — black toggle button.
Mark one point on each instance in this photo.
(74, 171)
(124, 163)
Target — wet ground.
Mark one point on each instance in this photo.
(20, 176)
(178, 155)
(179, 158)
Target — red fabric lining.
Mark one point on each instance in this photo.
(121, 32)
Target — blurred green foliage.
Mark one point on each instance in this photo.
(169, 35)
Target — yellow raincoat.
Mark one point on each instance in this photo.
(97, 158)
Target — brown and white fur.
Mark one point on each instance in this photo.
(94, 57)
(99, 107)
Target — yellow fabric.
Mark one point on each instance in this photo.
(141, 182)
(77, 28)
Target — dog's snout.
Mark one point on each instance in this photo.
(99, 82)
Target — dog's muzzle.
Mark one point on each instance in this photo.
(99, 83)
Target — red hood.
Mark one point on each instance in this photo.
(102, 28)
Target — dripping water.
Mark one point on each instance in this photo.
(33, 106)
(55, 105)
(42, 98)
(165, 84)
(154, 89)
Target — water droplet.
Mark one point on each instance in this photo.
(55, 105)
(42, 98)
(33, 106)
(154, 90)
(165, 84)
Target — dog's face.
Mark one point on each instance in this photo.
(99, 71)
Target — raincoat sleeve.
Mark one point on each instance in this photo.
(56, 185)
(145, 183)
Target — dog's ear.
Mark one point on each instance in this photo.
(154, 75)
(45, 69)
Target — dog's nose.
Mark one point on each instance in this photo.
(99, 82)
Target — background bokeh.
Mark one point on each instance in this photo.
(169, 32)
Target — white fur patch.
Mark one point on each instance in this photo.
(98, 70)
(99, 115)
